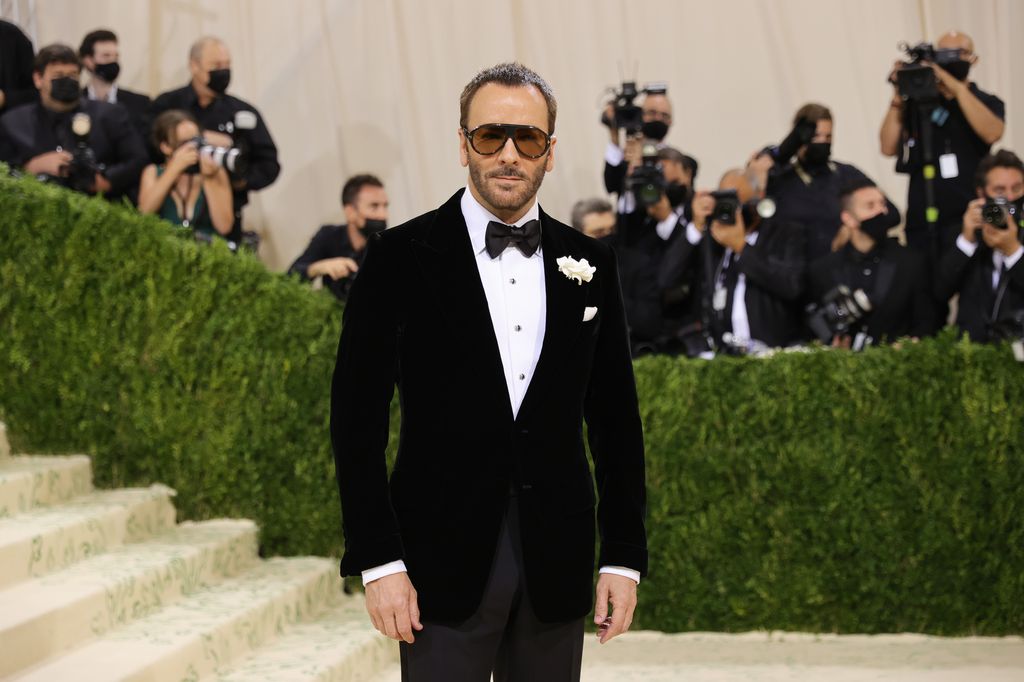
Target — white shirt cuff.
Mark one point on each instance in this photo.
(967, 247)
(667, 226)
(614, 155)
(693, 235)
(377, 572)
(623, 571)
(1010, 261)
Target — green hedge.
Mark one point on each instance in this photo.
(821, 491)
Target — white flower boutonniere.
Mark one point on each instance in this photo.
(579, 270)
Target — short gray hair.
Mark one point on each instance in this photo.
(510, 74)
(584, 207)
(195, 53)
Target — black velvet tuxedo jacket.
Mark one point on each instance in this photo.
(417, 316)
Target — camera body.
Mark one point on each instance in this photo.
(1000, 212)
(802, 133)
(727, 202)
(647, 181)
(839, 312)
(628, 115)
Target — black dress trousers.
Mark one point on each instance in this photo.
(504, 636)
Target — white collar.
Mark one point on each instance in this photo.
(477, 218)
(111, 95)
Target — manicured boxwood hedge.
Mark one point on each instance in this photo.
(820, 491)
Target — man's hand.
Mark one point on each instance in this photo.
(701, 207)
(50, 163)
(661, 210)
(335, 268)
(101, 184)
(731, 236)
(946, 80)
(1004, 240)
(620, 591)
(391, 603)
(218, 139)
(972, 220)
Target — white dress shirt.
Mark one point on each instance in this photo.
(111, 94)
(998, 258)
(514, 286)
(740, 321)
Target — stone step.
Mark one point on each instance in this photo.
(205, 632)
(47, 539)
(28, 482)
(339, 646)
(46, 616)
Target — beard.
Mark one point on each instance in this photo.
(498, 193)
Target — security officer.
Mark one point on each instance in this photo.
(226, 120)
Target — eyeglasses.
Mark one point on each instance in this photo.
(490, 138)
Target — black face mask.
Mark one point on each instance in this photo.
(877, 227)
(65, 89)
(677, 193)
(108, 72)
(958, 69)
(654, 130)
(373, 226)
(817, 154)
(219, 81)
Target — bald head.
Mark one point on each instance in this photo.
(195, 53)
(955, 40)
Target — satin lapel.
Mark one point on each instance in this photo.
(566, 300)
(445, 257)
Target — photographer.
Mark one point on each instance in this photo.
(983, 266)
(893, 278)
(806, 186)
(100, 57)
(227, 121)
(594, 218)
(641, 125)
(748, 282)
(660, 188)
(188, 189)
(91, 147)
(337, 251)
(962, 121)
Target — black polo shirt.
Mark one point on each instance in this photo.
(951, 134)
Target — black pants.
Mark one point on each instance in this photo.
(503, 636)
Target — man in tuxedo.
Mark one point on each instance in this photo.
(100, 57)
(504, 329)
(983, 266)
(894, 278)
(756, 272)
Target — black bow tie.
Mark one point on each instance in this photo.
(500, 236)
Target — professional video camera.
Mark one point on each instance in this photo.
(628, 115)
(233, 159)
(915, 80)
(839, 311)
(1000, 211)
(80, 172)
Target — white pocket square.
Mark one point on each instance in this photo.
(589, 313)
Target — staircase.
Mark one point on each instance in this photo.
(105, 585)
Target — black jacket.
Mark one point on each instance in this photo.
(980, 304)
(774, 269)
(31, 130)
(16, 56)
(137, 106)
(418, 313)
(331, 241)
(895, 280)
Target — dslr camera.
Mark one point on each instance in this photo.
(839, 312)
(628, 115)
(647, 181)
(915, 81)
(727, 202)
(232, 159)
(801, 134)
(80, 172)
(1000, 212)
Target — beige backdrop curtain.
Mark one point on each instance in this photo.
(349, 86)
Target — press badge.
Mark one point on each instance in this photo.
(721, 296)
(948, 167)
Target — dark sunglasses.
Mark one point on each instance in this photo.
(490, 138)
